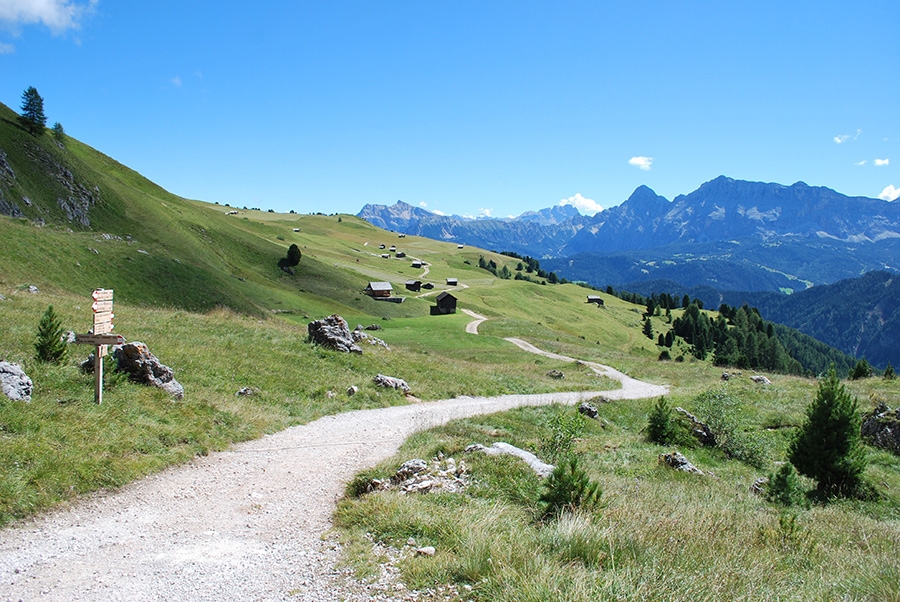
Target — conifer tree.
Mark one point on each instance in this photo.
(50, 346)
(659, 423)
(828, 447)
(32, 116)
(293, 255)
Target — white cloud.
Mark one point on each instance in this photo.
(7, 48)
(860, 163)
(845, 137)
(423, 204)
(882, 162)
(58, 15)
(642, 163)
(889, 193)
(484, 212)
(176, 81)
(589, 206)
(438, 212)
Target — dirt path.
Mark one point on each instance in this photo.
(472, 327)
(245, 524)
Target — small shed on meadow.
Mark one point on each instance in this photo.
(414, 285)
(460, 246)
(445, 304)
(452, 281)
(400, 255)
(379, 289)
(416, 263)
(428, 285)
(595, 299)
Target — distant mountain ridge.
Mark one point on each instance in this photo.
(535, 233)
(727, 232)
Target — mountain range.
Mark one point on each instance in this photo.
(728, 234)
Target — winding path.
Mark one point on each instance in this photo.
(244, 524)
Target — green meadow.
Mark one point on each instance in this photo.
(201, 286)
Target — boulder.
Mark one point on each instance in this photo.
(556, 374)
(14, 383)
(144, 368)
(352, 390)
(334, 333)
(588, 410)
(759, 379)
(678, 462)
(881, 427)
(246, 392)
(391, 382)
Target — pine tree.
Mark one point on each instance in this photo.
(889, 372)
(293, 255)
(32, 116)
(50, 346)
(659, 423)
(828, 447)
(648, 328)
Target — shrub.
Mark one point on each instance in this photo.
(664, 355)
(50, 346)
(567, 488)
(828, 447)
(719, 410)
(293, 255)
(785, 487)
(889, 372)
(564, 427)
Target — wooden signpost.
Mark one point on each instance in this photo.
(100, 335)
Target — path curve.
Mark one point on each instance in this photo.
(472, 327)
(244, 524)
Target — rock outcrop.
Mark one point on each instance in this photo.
(144, 368)
(334, 333)
(14, 383)
(881, 427)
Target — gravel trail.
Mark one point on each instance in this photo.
(244, 524)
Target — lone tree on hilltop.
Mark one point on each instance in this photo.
(828, 447)
(32, 116)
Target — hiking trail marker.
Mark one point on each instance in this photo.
(100, 335)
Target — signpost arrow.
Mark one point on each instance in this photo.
(100, 337)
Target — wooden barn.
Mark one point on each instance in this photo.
(452, 281)
(414, 285)
(379, 289)
(428, 285)
(416, 263)
(445, 304)
(595, 299)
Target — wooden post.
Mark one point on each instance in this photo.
(98, 375)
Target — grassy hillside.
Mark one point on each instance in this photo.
(201, 286)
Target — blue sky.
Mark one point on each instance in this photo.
(466, 107)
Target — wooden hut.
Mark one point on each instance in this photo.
(445, 304)
(416, 263)
(379, 289)
(595, 299)
(452, 281)
(414, 285)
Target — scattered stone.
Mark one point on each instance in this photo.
(14, 383)
(330, 394)
(334, 333)
(586, 409)
(881, 427)
(359, 335)
(425, 551)
(391, 382)
(246, 392)
(144, 368)
(726, 376)
(418, 476)
(2, 298)
(759, 486)
(542, 469)
(678, 462)
(700, 430)
(352, 390)
(373, 327)
(762, 380)
(555, 374)
(94, 251)
(33, 289)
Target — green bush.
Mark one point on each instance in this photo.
(50, 346)
(568, 488)
(785, 487)
(721, 411)
(862, 369)
(564, 427)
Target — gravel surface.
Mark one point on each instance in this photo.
(250, 523)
